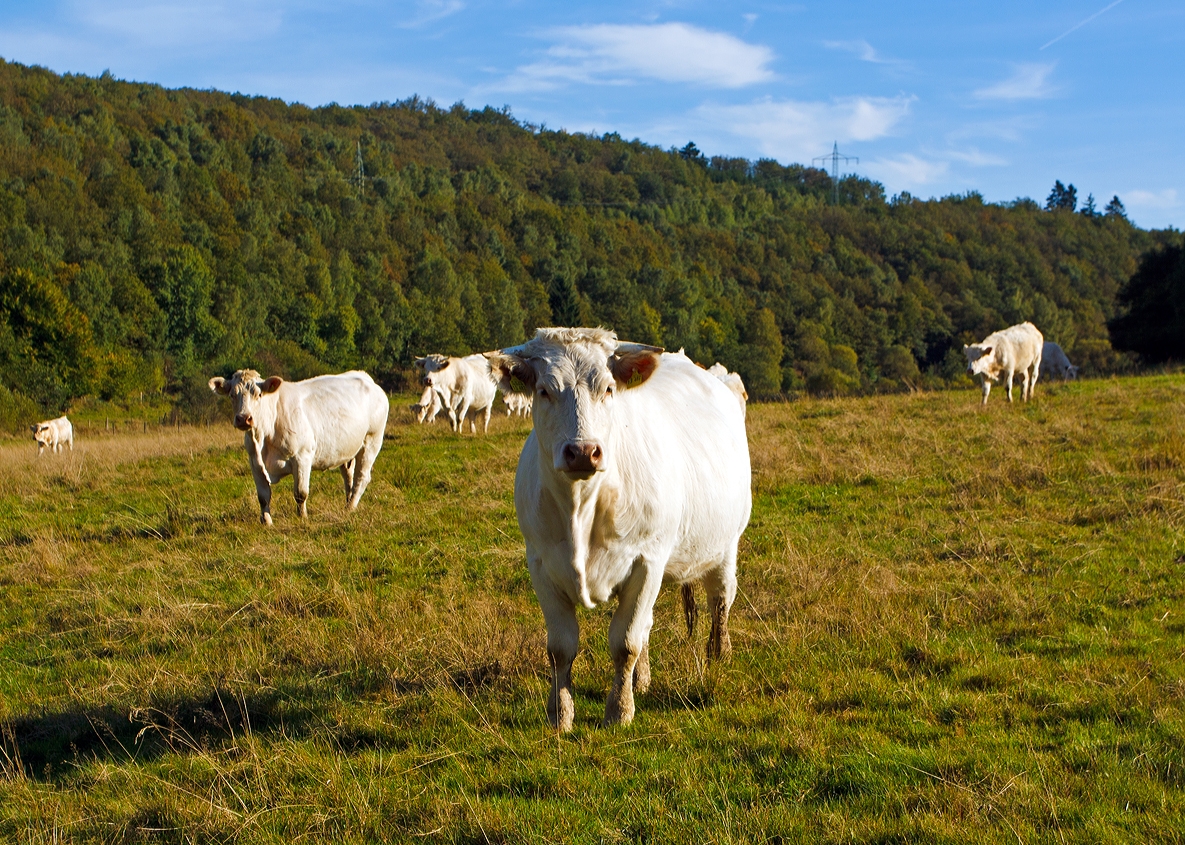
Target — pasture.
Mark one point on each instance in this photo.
(954, 624)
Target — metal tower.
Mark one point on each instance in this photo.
(358, 180)
(834, 157)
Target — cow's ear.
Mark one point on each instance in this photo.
(987, 350)
(513, 374)
(271, 384)
(35, 427)
(419, 362)
(218, 385)
(965, 347)
(444, 366)
(632, 364)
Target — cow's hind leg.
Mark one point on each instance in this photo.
(348, 476)
(263, 492)
(629, 635)
(987, 388)
(486, 428)
(363, 463)
(721, 584)
(690, 611)
(1010, 387)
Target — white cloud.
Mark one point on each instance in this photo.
(1029, 81)
(977, 158)
(793, 130)
(861, 49)
(1151, 200)
(621, 54)
(908, 170)
(431, 11)
(182, 24)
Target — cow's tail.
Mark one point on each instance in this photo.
(690, 611)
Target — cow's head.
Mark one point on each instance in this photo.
(1072, 372)
(574, 376)
(41, 433)
(246, 390)
(430, 364)
(979, 359)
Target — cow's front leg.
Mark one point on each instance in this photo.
(301, 473)
(629, 634)
(489, 409)
(263, 490)
(1010, 387)
(987, 388)
(348, 477)
(463, 415)
(563, 638)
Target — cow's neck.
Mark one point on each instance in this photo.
(578, 503)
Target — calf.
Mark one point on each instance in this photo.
(636, 473)
(1016, 349)
(53, 434)
(295, 427)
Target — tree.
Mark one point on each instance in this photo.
(1153, 321)
(762, 367)
(1088, 208)
(1062, 198)
(1115, 208)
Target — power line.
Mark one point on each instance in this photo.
(834, 156)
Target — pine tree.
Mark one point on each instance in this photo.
(1115, 208)
(1062, 197)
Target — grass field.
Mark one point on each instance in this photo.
(955, 624)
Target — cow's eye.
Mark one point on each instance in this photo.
(543, 394)
(610, 390)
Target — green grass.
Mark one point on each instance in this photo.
(955, 624)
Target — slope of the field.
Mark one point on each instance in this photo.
(955, 624)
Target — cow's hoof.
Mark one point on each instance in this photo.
(618, 712)
(266, 519)
(561, 713)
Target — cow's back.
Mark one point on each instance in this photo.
(332, 413)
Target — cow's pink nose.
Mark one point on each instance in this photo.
(582, 457)
(243, 421)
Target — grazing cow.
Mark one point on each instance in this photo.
(1055, 364)
(636, 473)
(428, 406)
(53, 434)
(1016, 349)
(295, 427)
(517, 404)
(464, 385)
(733, 382)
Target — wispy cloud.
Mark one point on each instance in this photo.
(1028, 82)
(794, 130)
(623, 54)
(182, 24)
(1158, 200)
(974, 157)
(430, 11)
(908, 170)
(862, 50)
(1082, 23)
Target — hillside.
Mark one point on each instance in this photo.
(149, 237)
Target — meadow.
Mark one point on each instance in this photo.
(954, 624)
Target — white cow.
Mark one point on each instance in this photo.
(517, 404)
(1055, 364)
(428, 407)
(53, 434)
(1016, 349)
(464, 385)
(636, 473)
(733, 382)
(295, 427)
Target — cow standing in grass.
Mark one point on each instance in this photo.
(1016, 349)
(295, 427)
(465, 385)
(636, 473)
(427, 409)
(733, 382)
(1055, 364)
(53, 435)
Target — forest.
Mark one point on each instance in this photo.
(150, 238)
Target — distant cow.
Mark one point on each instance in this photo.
(1055, 364)
(517, 404)
(295, 427)
(1016, 349)
(428, 407)
(636, 472)
(53, 434)
(465, 385)
(733, 382)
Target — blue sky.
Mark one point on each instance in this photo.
(934, 98)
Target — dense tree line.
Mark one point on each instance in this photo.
(150, 237)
